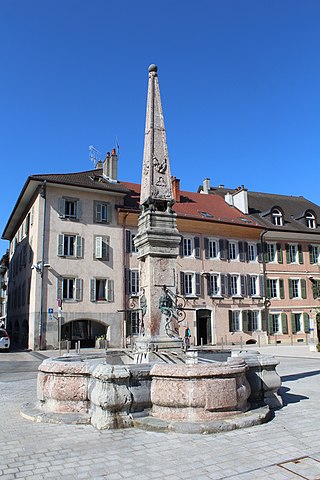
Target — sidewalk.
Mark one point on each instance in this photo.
(286, 448)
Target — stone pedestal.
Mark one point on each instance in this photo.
(158, 243)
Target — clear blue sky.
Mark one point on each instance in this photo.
(239, 80)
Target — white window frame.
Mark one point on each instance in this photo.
(108, 290)
(293, 253)
(310, 220)
(272, 252)
(235, 286)
(296, 287)
(315, 253)
(134, 282)
(102, 212)
(236, 320)
(188, 247)
(213, 246)
(77, 245)
(255, 321)
(254, 285)
(299, 321)
(277, 217)
(233, 251)
(65, 208)
(276, 321)
(189, 281)
(73, 292)
(101, 247)
(252, 252)
(274, 282)
(215, 282)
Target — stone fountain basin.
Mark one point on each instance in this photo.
(199, 392)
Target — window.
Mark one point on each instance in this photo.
(69, 208)
(274, 323)
(297, 288)
(130, 246)
(187, 247)
(213, 248)
(275, 288)
(101, 290)
(316, 288)
(314, 254)
(101, 247)
(252, 252)
(214, 284)
(233, 251)
(133, 323)
(253, 285)
(294, 253)
(102, 212)
(234, 285)
(297, 322)
(310, 220)
(253, 320)
(190, 284)
(131, 282)
(69, 288)
(273, 252)
(70, 245)
(234, 321)
(277, 217)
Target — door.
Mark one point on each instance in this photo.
(204, 332)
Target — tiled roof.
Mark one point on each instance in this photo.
(88, 179)
(197, 206)
(293, 208)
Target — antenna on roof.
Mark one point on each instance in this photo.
(94, 155)
(117, 146)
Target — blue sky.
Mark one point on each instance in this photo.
(239, 81)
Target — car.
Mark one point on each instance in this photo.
(4, 340)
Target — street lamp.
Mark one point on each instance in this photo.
(39, 268)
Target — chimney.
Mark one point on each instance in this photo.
(176, 189)
(206, 185)
(99, 164)
(110, 166)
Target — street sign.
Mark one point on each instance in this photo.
(50, 314)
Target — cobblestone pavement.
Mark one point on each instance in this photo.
(271, 451)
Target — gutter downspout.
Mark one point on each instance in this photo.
(266, 301)
(43, 194)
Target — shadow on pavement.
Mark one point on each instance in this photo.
(290, 397)
(297, 376)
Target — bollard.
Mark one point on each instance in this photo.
(201, 342)
(241, 343)
(259, 341)
(68, 346)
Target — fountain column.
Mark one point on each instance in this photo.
(157, 239)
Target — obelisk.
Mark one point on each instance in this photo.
(157, 239)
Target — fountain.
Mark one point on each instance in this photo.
(156, 386)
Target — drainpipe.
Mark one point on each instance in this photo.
(266, 302)
(43, 194)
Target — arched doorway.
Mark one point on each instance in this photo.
(204, 329)
(84, 330)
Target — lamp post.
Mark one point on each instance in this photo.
(39, 268)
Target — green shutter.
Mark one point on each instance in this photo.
(290, 288)
(311, 257)
(266, 252)
(300, 254)
(287, 253)
(306, 322)
(303, 288)
(263, 321)
(270, 324)
(230, 321)
(245, 321)
(279, 253)
(281, 288)
(293, 324)
(268, 293)
(284, 323)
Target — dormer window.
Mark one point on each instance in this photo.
(277, 217)
(310, 220)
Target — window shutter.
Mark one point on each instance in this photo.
(284, 323)
(98, 247)
(281, 288)
(290, 288)
(109, 214)
(222, 249)
(315, 289)
(206, 247)
(266, 253)
(306, 322)
(259, 253)
(62, 207)
(245, 321)
(249, 286)
(300, 254)
(311, 257)
(78, 207)
(127, 282)
(110, 292)
(270, 325)
(245, 251)
(293, 324)
(197, 247)
(261, 286)
(287, 253)
(105, 248)
(198, 284)
(92, 289)
(243, 282)
(79, 289)
(181, 247)
(226, 247)
(230, 321)
(279, 253)
(241, 251)
(98, 212)
(223, 284)
(209, 289)
(128, 241)
(228, 284)
(263, 321)
(268, 289)
(182, 283)
(79, 246)
(59, 288)
(60, 245)
(303, 288)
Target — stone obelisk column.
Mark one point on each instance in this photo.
(157, 239)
